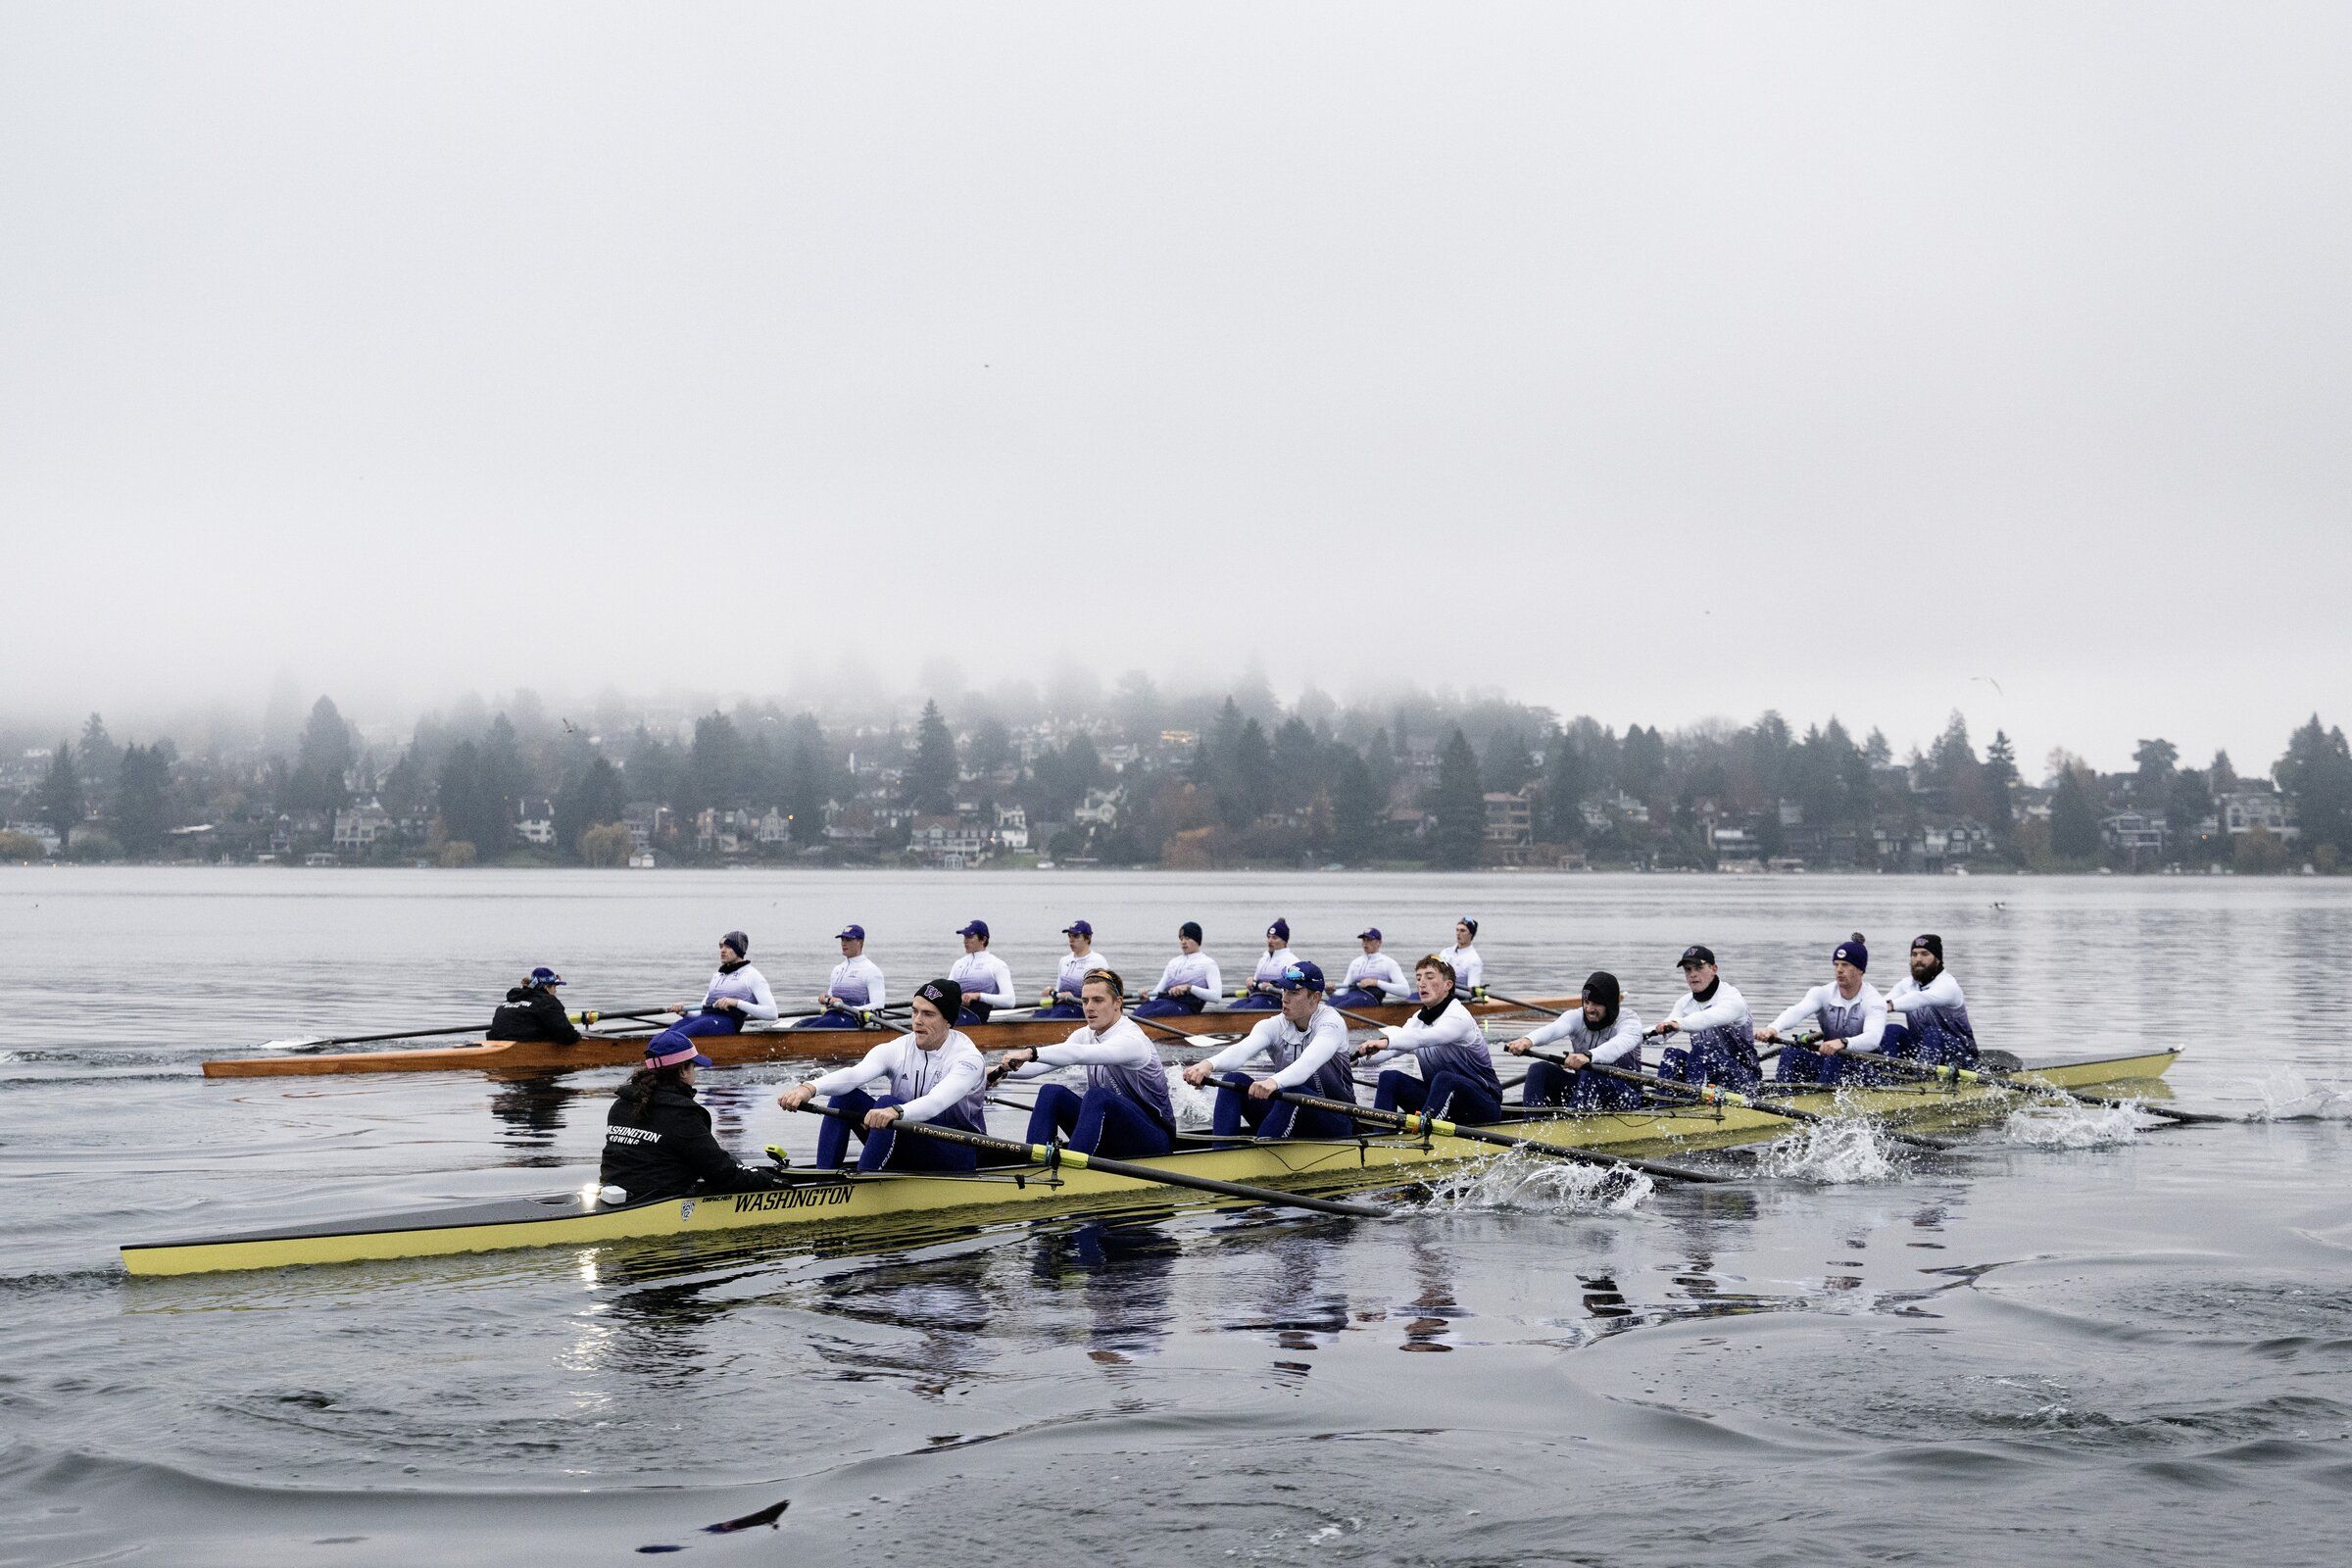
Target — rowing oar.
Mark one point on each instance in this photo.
(1654, 1032)
(2029, 1086)
(1055, 1155)
(1413, 1122)
(307, 1044)
(1708, 1094)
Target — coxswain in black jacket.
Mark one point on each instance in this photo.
(659, 1143)
(533, 1012)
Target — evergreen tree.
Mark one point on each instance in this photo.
(2000, 784)
(505, 781)
(2219, 777)
(98, 760)
(1359, 807)
(2073, 817)
(2188, 802)
(591, 798)
(1459, 802)
(59, 801)
(1570, 779)
(1507, 765)
(1245, 777)
(2155, 763)
(718, 765)
(145, 774)
(2317, 771)
(806, 777)
(324, 760)
(992, 745)
(1298, 765)
(1642, 764)
(653, 769)
(470, 811)
(404, 789)
(931, 775)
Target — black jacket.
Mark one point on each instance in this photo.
(532, 1012)
(658, 1143)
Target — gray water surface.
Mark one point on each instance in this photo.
(2072, 1342)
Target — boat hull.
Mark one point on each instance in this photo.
(835, 1199)
(727, 1051)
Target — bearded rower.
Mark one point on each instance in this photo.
(854, 989)
(1374, 979)
(936, 1077)
(737, 995)
(1265, 983)
(1125, 1111)
(1603, 1032)
(1930, 1016)
(1306, 1043)
(985, 980)
(1458, 1081)
(1190, 982)
(1848, 1012)
(1722, 1035)
(1469, 969)
(1063, 1002)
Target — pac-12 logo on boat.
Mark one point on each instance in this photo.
(686, 1209)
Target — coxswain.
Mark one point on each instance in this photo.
(1458, 1081)
(1722, 1047)
(1266, 982)
(738, 995)
(985, 980)
(532, 1012)
(854, 989)
(1603, 1032)
(1374, 979)
(1468, 966)
(936, 1077)
(1306, 1045)
(658, 1138)
(1848, 1012)
(1190, 982)
(1063, 1002)
(1125, 1111)
(1930, 1016)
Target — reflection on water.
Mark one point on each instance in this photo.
(1124, 1276)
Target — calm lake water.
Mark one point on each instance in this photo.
(2071, 1342)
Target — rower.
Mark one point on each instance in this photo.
(1848, 1011)
(1374, 979)
(1266, 982)
(1603, 1032)
(1458, 1081)
(1307, 1045)
(1930, 1017)
(1064, 1001)
(657, 1137)
(1467, 965)
(984, 979)
(854, 989)
(532, 1012)
(1125, 1111)
(1722, 1035)
(936, 1077)
(1190, 982)
(737, 995)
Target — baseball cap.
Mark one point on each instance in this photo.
(544, 976)
(1304, 976)
(1078, 928)
(977, 928)
(849, 933)
(1370, 933)
(1693, 955)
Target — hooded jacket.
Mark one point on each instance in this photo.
(658, 1143)
(532, 1012)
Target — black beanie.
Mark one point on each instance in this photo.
(1601, 985)
(944, 995)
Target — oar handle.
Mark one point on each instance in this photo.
(1055, 1155)
(1410, 1122)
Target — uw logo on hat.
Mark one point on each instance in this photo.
(932, 993)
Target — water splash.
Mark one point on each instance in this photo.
(1193, 1107)
(1834, 1153)
(1518, 1181)
(2289, 1095)
(2072, 1124)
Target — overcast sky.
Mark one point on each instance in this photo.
(1658, 362)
